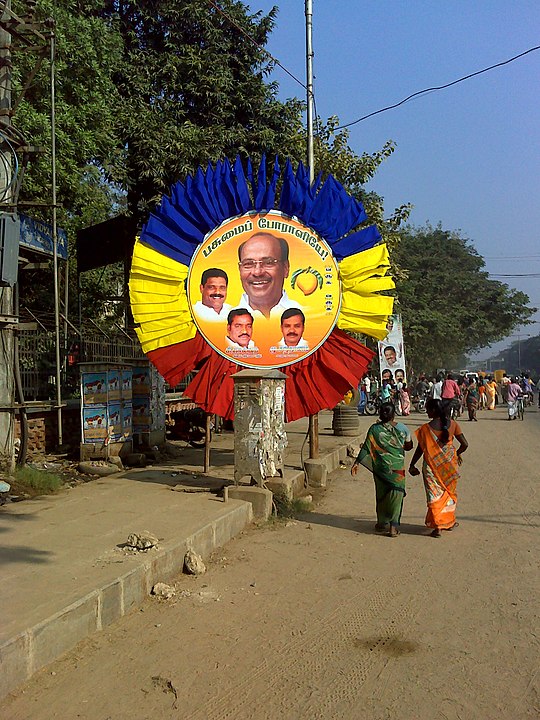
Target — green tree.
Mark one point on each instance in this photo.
(333, 154)
(449, 304)
(148, 91)
(192, 87)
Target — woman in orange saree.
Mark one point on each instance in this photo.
(491, 392)
(440, 466)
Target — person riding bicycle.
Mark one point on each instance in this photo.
(514, 391)
(527, 387)
(451, 396)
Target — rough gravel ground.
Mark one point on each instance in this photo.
(320, 618)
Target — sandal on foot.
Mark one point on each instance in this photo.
(393, 532)
(380, 527)
(455, 525)
(436, 533)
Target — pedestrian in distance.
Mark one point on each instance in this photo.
(383, 453)
(440, 466)
(451, 395)
(513, 392)
(482, 402)
(491, 393)
(405, 399)
(472, 397)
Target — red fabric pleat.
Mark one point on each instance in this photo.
(174, 362)
(321, 380)
(318, 382)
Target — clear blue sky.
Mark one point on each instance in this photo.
(467, 156)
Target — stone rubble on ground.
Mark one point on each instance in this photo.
(193, 563)
(142, 541)
(163, 590)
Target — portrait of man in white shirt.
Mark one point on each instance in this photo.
(212, 305)
(263, 262)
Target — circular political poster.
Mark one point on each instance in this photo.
(264, 290)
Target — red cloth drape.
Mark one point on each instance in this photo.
(318, 382)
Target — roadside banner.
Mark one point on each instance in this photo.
(392, 351)
(306, 276)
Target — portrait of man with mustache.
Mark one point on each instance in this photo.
(240, 330)
(212, 305)
(293, 323)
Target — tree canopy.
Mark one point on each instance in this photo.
(148, 91)
(449, 304)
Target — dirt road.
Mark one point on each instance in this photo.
(320, 618)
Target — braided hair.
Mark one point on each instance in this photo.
(435, 407)
(387, 412)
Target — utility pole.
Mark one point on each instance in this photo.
(7, 379)
(313, 419)
(58, 379)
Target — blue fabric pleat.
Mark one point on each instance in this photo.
(209, 197)
(164, 238)
(288, 190)
(356, 242)
(181, 197)
(242, 190)
(334, 211)
(268, 201)
(259, 186)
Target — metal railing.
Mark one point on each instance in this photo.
(37, 360)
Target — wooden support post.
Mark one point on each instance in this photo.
(314, 437)
(207, 441)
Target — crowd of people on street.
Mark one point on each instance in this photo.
(468, 393)
(446, 397)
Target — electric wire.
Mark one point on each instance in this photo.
(272, 57)
(515, 275)
(438, 87)
(252, 40)
(534, 258)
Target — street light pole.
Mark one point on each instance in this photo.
(313, 419)
(7, 376)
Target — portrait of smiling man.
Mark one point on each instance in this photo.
(264, 265)
(212, 305)
(292, 326)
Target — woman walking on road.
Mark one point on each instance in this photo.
(491, 392)
(383, 452)
(440, 466)
(405, 399)
(471, 398)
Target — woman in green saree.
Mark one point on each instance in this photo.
(383, 452)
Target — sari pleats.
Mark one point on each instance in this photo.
(440, 475)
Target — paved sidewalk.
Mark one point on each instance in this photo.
(65, 574)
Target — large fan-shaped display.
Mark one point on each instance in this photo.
(225, 276)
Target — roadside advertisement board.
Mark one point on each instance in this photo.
(392, 351)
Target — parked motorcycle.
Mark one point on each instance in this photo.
(419, 403)
(190, 426)
(373, 405)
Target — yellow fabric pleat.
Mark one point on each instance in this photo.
(363, 276)
(158, 298)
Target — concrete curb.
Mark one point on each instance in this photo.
(292, 485)
(25, 654)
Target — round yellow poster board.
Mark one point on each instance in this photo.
(264, 290)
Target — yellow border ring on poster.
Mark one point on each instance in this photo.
(281, 273)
